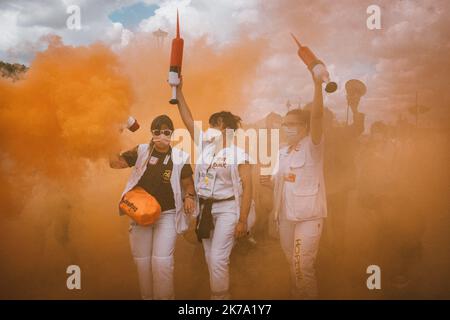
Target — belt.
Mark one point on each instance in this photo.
(204, 220)
(212, 200)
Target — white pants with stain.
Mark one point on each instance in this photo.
(217, 253)
(153, 248)
(300, 243)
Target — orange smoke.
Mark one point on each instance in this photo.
(64, 110)
(68, 107)
(61, 119)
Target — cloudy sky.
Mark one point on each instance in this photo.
(408, 54)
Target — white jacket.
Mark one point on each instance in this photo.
(305, 197)
(179, 159)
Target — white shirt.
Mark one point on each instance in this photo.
(218, 163)
(301, 173)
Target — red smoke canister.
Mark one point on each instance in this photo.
(316, 66)
(176, 60)
(132, 124)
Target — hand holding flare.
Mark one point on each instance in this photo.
(316, 66)
(176, 60)
(131, 125)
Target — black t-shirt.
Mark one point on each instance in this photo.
(156, 178)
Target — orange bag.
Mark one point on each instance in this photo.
(141, 206)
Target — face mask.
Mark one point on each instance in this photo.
(290, 132)
(162, 138)
(229, 133)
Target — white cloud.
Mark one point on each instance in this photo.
(24, 22)
(219, 21)
(118, 36)
(394, 62)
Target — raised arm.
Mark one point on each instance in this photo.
(357, 127)
(317, 113)
(185, 112)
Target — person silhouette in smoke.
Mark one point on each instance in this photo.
(388, 188)
(341, 147)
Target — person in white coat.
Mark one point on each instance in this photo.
(165, 173)
(224, 185)
(299, 194)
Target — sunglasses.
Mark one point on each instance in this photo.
(166, 132)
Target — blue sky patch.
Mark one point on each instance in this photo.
(130, 16)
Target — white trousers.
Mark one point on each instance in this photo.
(217, 253)
(152, 248)
(300, 243)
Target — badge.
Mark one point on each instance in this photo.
(206, 184)
(166, 160)
(166, 175)
(153, 160)
(290, 177)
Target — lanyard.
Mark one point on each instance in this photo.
(149, 155)
(166, 159)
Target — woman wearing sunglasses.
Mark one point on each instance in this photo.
(224, 187)
(166, 174)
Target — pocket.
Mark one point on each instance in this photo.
(180, 217)
(303, 195)
(302, 207)
(306, 182)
